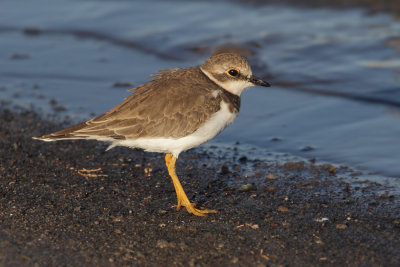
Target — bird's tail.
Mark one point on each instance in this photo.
(63, 134)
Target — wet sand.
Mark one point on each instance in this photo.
(55, 211)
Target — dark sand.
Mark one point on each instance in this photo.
(303, 214)
(388, 6)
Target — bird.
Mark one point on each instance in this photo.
(176, 110)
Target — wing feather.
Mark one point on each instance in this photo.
(174, 104)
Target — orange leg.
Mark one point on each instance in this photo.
(180, 193)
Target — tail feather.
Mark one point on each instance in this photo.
(63, 134)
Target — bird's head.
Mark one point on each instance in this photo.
(232, 72)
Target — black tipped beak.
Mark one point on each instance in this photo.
(257, 81)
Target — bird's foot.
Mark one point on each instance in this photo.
(180, 193)
(190, 207)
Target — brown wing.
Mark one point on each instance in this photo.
(174, 104)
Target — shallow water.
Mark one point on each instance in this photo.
(335, 74)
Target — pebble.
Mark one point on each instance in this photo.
(163, 243)
(331, 169)
(243, 159)
(148, 170)
(224, 170)
(341, 226)
(322, 219)
(162, 211)
(271, 188)
(246, 187)
(283, 209)
(254, 226)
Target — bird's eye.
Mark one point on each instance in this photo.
(233, 72)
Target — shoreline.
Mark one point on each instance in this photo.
(72, 202)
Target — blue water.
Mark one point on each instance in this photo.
(335, 74)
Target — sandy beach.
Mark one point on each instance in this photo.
(72, 203)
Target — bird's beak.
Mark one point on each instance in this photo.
(257, 81)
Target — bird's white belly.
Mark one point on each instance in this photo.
(207, 131)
